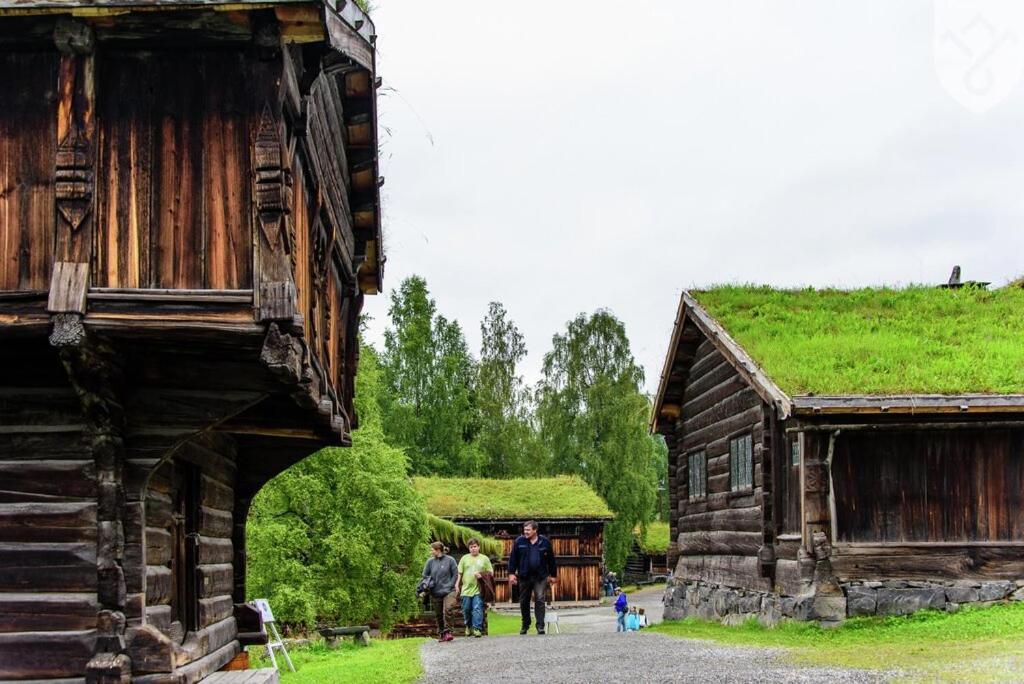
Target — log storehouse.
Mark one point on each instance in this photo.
(567, 510)
(189, 220)
(844, 453)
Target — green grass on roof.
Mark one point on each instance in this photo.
(483, 499)
(916, 340)
(457, 536)
(656, 540)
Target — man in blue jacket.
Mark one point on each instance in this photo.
(531, 566)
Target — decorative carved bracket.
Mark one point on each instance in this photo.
(74, 178)
(272, 183)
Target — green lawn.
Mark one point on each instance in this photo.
(983, 644)
(499, 624)
(383, 662)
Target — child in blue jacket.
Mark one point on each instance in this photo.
(621, 608)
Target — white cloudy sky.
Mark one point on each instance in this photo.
(562, 156)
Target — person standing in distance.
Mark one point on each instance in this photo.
(531, 566)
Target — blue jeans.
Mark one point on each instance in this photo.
(620, 622)
(473, 611)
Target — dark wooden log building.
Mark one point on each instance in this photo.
(189, 220)
(820, 505)
(568, 512)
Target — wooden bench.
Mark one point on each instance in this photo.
(267, 675)
(333, 635)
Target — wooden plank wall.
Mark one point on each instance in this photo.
(215, 458)
(930, 486)
(719, 535)
(28, 140)
(174, 170)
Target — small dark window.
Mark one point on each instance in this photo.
(795, 452)
(698, 475)
(741, 462)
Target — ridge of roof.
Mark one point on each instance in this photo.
(476, 498)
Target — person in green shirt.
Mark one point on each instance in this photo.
(471, 567)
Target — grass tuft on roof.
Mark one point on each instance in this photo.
(563, 498)
(878, 341)
(656, 540)
(457, 536)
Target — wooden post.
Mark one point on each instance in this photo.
(73, 180)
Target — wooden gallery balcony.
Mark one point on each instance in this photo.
(189, 220)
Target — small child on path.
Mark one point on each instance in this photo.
(632, 620)
(643, 619)
(621, 607)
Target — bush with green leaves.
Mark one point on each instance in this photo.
(338, 538)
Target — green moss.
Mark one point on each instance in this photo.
(457, 535)
(483, 499)
(975, 644)
(915, 340)
(656, 540)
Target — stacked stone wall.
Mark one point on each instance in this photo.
(729, 605)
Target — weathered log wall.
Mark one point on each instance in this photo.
(214, 457)
(718, 535)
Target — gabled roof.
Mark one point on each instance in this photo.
(553, 498)
(915, 349)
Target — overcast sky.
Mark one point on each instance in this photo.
(565, 156)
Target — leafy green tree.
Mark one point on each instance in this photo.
(593, 420)
(429, 402)
(333, 538)
(507, 437)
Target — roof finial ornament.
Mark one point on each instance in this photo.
(954, 277)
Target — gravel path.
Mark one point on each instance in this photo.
(611, 657)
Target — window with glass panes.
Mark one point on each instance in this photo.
(795, 451)
(698, 475)
(741, 462)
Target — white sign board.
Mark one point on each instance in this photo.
(263, 606)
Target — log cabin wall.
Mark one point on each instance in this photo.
(202, 563)
(719, 534)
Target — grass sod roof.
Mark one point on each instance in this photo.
(878, 341)
(656, 540)
(456, 536)
(554, 498)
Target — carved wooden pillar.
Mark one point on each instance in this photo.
(272, 195)
(73, 180)
(772, 450)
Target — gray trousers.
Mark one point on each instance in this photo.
(537, 588)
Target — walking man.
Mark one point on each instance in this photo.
(440, 574)
(472, 567)
(531, 566)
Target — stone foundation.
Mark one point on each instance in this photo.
(698, 599)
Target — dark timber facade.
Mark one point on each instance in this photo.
(817, 507)
(188, 224)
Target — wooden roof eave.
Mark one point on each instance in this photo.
(748, 369)
(908, 404)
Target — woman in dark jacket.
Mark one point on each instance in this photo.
(440, 572)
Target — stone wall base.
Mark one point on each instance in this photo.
(688, 598)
